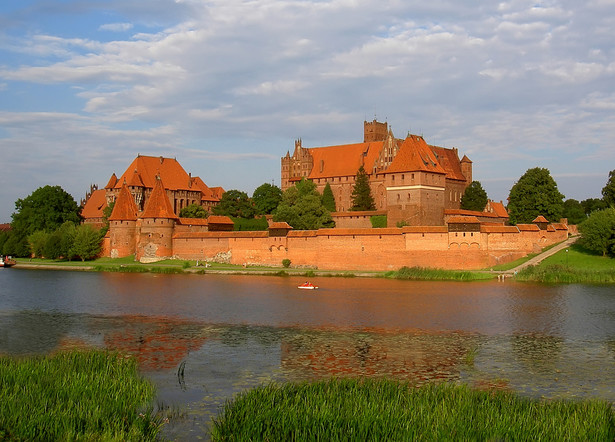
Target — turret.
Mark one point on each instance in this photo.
(157, 225)
(466, 169)
(123, 225)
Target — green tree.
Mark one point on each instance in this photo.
(592, 204)
(302, 208)
(535, 194)
(362, 194)
(608, 191)
(193, 211)
(328, 200)
(235, 203)
(266, 198)
(60, 242)
(598, 232)
(15, 244)
(474, 197)
(37, 242)
(87, 243)
(574, 212)
(44, 209)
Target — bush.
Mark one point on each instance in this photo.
(254, 224)
(286, 263)
(378, 221)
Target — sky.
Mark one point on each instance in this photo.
(227, 86)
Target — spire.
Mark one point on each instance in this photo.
(158, 204)
(112, 182)
(125, 208)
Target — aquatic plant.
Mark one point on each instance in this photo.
(93, 395)
(381, 409)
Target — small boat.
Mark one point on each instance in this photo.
(7, 261)
(307, 286)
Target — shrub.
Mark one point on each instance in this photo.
(286, 263)
(378, 221)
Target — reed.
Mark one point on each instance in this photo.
(424, 274)
(91, 395)
(374, 410)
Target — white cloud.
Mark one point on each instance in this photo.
(116, 27)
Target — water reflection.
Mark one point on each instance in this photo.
(202, 339)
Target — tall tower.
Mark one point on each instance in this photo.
(466, 169)
(374, 131)
(123, 225)
(155, 240)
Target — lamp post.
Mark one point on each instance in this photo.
(566, 257)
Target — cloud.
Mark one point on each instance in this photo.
(116, 27)
(512, 83)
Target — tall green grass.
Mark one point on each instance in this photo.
(573, 265)
(424, 274)
(375, 410)
(91, 395)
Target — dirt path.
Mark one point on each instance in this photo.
(538, 258)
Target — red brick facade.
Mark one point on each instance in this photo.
(412, 181)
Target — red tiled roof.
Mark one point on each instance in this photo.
(112, 182)
(344, 160)
(415, 155)
(95, 205)
(550, 228)
(463, 220)
(208, 194)
(5, 227)
(424, 229)
(158, 204)
(219, 219)
(498, 229)
(169, 170)
(193, 221)
(540, 219)
(463, 212)
(528, 228)
(237, 234)
(449, 160)
(217, 192)
(366, 231)
(302, 233)
(280, 225)
(135, 180)
(498, 209)
(125, 208)
(560, 226)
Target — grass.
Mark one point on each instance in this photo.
(91, 395)
(424, 274)
(374, 410)
(577, 265)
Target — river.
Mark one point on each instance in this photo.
(203, 338)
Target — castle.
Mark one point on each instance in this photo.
(182, 188)
(413, 182)
(410, 180)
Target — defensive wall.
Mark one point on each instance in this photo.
(370, 249)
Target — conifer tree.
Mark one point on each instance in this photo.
(608, 191)
(327, 198)
(474, 197)
(362, 194)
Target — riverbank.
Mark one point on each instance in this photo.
(562, 263)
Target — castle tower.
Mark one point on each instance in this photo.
(466, 169)
(123, 225)
(158, 219)
(374, 131)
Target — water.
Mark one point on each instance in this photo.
(203, 338)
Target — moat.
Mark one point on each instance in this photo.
(203, 338)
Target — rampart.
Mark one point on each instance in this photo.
(371, 249)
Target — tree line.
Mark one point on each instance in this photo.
(48, 223)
